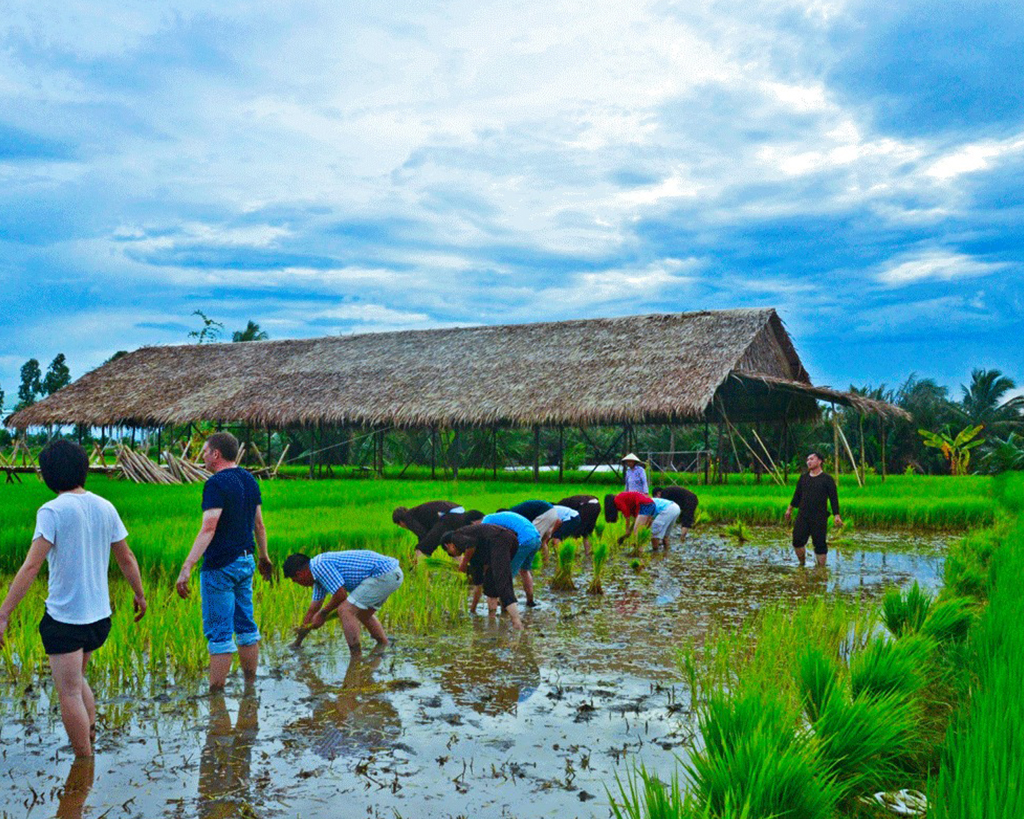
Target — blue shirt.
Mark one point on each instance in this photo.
(636, 479)
(525, 531)
(661, 504)
(237, 494)
(334, 570)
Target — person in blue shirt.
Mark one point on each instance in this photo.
(231, 531)
(529, 543)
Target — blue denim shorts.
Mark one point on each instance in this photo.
(227, 605)
(647, 509)
(523, 558)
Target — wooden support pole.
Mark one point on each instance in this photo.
(707, 450)
(455, 454)
(494, 451)
(433, 454)
(536, 453)
(561, 451)
(849, 452)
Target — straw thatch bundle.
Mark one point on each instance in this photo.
(637, 369)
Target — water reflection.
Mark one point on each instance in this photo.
(495, 673)
(76, 788)
(225, 763)
(355, 717)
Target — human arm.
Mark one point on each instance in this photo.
(630, 521)
(22, 581)
(833, 499)
(129, 567)
(199, 547)
(260, 531)
(797, 497)
(314, 607)
(320, 617)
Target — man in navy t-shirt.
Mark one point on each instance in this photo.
(232, 530)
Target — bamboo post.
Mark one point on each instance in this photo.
(455, 454)
(536, 453)
(853, 461)
(835, 440)
(561, 451)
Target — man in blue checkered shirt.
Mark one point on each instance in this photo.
(354, 583)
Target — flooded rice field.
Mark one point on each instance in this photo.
(479, 722)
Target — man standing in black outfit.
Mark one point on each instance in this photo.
(815, 492)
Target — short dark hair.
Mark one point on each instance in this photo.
(399, 515)
(656, 491)
(816, 454)
(293, 564)
(611, 511)
(64, 465)
(225, 443)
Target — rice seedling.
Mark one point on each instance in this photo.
(753, 757)
(818, 677)
(739, 531)
(905, 613)
(898, 667)
(949, 620)
(598, 557)
(562, 581)
(644, 796)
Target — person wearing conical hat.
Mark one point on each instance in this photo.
(636, 477)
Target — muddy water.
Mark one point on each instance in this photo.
(479, 722)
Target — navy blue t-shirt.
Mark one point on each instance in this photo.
(237, 494)
(531, 509)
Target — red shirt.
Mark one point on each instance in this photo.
(629, 503)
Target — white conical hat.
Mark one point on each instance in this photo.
(631, 457)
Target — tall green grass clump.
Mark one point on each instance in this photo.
(562, 581)
(599, 556)
(983, 758)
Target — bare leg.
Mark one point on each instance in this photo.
(477, 592)
(367, 618)
(683, 532)
(527, 577)
(350, 624)
(801, 555)
(492, 606)
(249, 659)
(88, 699)
(820, 559)
(67, 677)
(220, 665)
(586, 546)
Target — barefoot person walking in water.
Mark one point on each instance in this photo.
(75, 534)
(815, 491)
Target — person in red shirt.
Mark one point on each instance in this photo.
(636, 507)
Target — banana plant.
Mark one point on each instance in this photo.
(956, 449)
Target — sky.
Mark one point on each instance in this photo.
(344, 167)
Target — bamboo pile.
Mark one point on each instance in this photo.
(184, 470)
(139, 468)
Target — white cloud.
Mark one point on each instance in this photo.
(937, 265)
(974, 157)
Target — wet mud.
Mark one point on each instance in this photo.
(479, 721)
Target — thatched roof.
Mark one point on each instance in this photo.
(637, 369)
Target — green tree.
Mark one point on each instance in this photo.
(252, 332)
(57, 376)
(209, 332)
(983, 401)
(31, 385)
(956, 449)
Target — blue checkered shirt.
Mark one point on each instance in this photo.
(332, 570)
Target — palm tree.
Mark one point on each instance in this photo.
(983, 403)
(252, 332)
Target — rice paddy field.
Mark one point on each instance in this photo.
(461, 716)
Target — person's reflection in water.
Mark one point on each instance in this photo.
(496, 673)
(351, 719)
(224, 766)
(76, 788)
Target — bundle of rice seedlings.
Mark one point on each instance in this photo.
(754, 758)
(562, 581)
(949, 621)
(817, 677)
(739, 531)
(887, 667)
(599, 556)
(905, 613)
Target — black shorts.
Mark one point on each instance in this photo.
(815, 531)
(574, 527)
(65, 638)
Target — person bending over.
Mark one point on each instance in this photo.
(685, 500)
(354, 583)
(489, 553)
(589, 508)
(529, 543)
(448, 522)
(666, 513)
(421, 519)
(815, 491)
(637, 508)
(544, 520)
(75, 534)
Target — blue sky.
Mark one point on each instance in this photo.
(326, 167)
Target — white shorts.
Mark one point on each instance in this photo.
(372, 592)
(663, 522)
(546, 521)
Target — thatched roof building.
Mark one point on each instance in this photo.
(672, 368)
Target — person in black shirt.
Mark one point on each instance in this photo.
(815, 492)
(589, 508)
(488, 551)
(420, 520)
(685, 500)
(448, 522)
